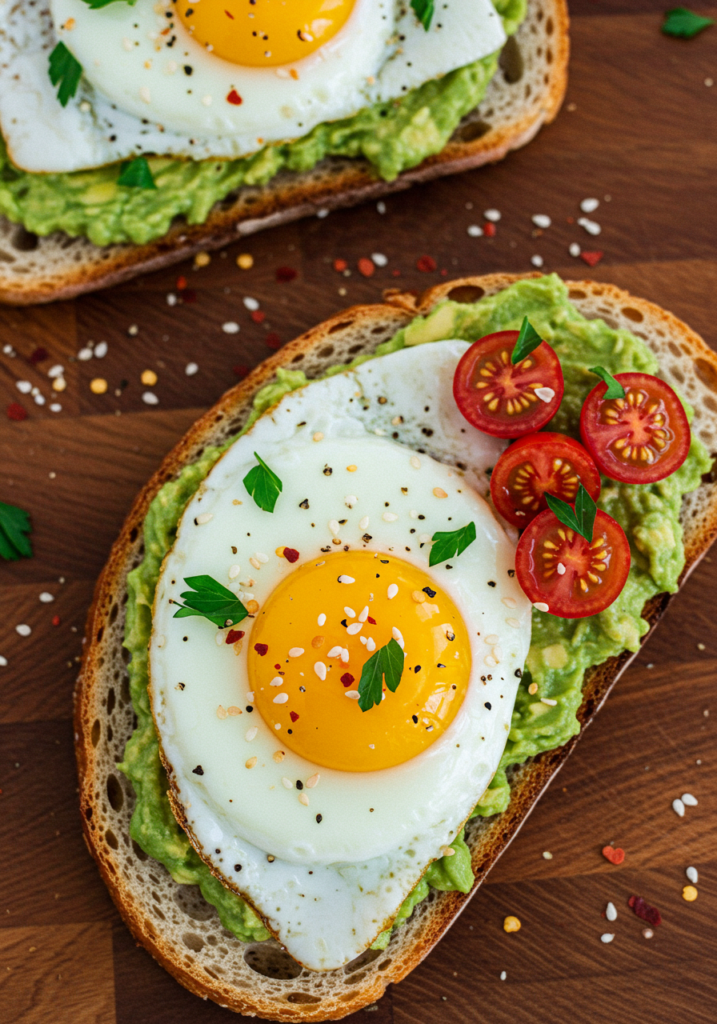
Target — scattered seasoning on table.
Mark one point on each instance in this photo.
(426, 264)
(644, 911)
(591, 258)
(285, 274)
(689, 893)
(614, 854)
(16, 412)
(245, 261)
(511, 924)
(367, 269)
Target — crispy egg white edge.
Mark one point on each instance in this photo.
(90, 132)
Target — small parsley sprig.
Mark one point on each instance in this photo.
(65, 72)
(263, 485)
(580, 517)
(614, 387)
(136, 173)
(684, 24)
(424, 10)
(386, 662)
(210, 600)
(451, 544)
(528, 339)
(14, 528)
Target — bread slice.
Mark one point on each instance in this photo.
(525, 94)
(173, 921)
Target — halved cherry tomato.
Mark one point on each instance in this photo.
(557, 567)
(505, 400)
(538, 463)
(640, 438)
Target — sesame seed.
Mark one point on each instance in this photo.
(363, 614)
(392, 591)
(250, 762)
(541, 606)
(541, 220)
(245, 261)
(397, 636)
(320, 670)
(149, 398)
(492, 639)
(490, 661)
(549, 701)
(509, 602)
(296, 652)
(204, 517)
(344, 655)
(23, 629)
(335, 652)
(234, 710)
(46, 597)
(418, 596)
(234, 571)
(287, 783)
(688, 800)
(692, 875)
(334, 526)
(278, 756)
(304, 799)
(574, 249)
(512, 622)
(281, 698)
(221, 712)
(318, 436)
(474, 230)
(346, 579)
(313, 781)
(321, 619)
(251, 733)
(607, 937)
(389, 517)
(448, 851)
(611, 912)
(492, 215)
(352, 694)
(546, 395)
(547, 855)
(589, 205)
(255, 562)
(370, 644)
(230, 327)
(363, 523)
(537, 260)
(647, 933)
(277, 681)
(678, 807)
(439, 492)
(190, 369)
(354, 628)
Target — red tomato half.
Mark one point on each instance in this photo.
(558, 568)
(640, 438)
(538, 463)
(505, 400)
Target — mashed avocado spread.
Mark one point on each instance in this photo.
(561, 649)
(391, 136)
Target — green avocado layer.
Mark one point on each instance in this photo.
(561, 649)
(391, 136)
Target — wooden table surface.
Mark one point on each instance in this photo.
(639, 127)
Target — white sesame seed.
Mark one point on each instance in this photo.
(261, 557)
(278, 725)
(692, 875)
(370, 644)
(611, 912)
(354, 628)
(537, 260)
(250, 303)
(321, 619)
(46, 597)
(509, 602)
(547, 855)
(474, 231)
(352, 694)
(101, 350)
(204, 517)
(497, 653)
(678, 807)
(277, 681)
(549, 701)
(55, 371)
(313, 781)
(250, 696)
(448, 851)
(397, 636)
(287, 783)
(320, 670)
(545, 394)
(541, 606)
(379, 259)
(591, 226)
(344, 655)
(234, 571)
(55, 407)
(144, 94)
(281, 698)
(362, 639)
(561, 569)
(23, 386)
(363, 614)
(513, 622)
(688, 800)
(363, 523)
(490, 661)
(503, 975)
(589, 205)
(334, 527)
(415, 462)
(607, 937)
(346, 579)
(392, 591)
(381, 206)
(3, 662)
(492, 215)
(389, 517)
(647, 933)
(219, 639)
(251, 733)
(304, 799)
(171, 299)
(413, 514)
(230, 327)
(23, 630)
(492, 639)
(574, 250)
(190, 369)
(207, 101)
(541, 220)
(149, 398)
(335, 652)
(296, 652)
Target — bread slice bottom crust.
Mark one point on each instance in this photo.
(525, 93)
(172, 921)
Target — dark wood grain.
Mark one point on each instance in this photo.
(639, 127)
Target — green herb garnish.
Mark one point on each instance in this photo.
(450, 545)
(95, 5)
(136, 173)
(614, 387)
(385, 662)
(263, 485)
(528, 339)
(580, 518)
(684, 24)
(210, 600)
(14, 527)
(66, 72)
(424, 9)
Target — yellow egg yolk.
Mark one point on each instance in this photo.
(312, 638)
(263, 33)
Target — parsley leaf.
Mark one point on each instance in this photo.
(95, 5)
(66, 72)
(684, 24)
(528, 339)
(424, 9)
(263, 485)
(210, 600)
(450, 545)
(614, 387)
(14, 527)
(386, 661)
(136, 174)
(580, 518)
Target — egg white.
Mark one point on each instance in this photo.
(110, 119)
(331, 887)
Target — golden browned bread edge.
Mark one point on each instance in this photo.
(293, 196)
(528, 781)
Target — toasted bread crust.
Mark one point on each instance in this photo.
(487, 840)
(290, 196)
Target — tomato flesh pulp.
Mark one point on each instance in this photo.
(640, 438)
(542, 463)
(559, 568)
(502, 399)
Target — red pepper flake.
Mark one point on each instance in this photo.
(426, 264)
(240, 370)
(229, 15)
(258, 316)
(444, 272)
(284, 274)
(233, 96)
(273, 340)
(277, 667)
(591, 258)
(181, 283)
(645, 911)
(293, 716)
(16, 412)
(614, 854)
(233, 635)
(489, 229)
(371, 621)
(39, 356)
(347, 679)
(261, 649)
(55, 620)
(569, 220)
(340, 265)
(395, 273)
(366, 267)
(291, 555)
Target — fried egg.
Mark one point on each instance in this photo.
(216, 78)
(322, 815)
